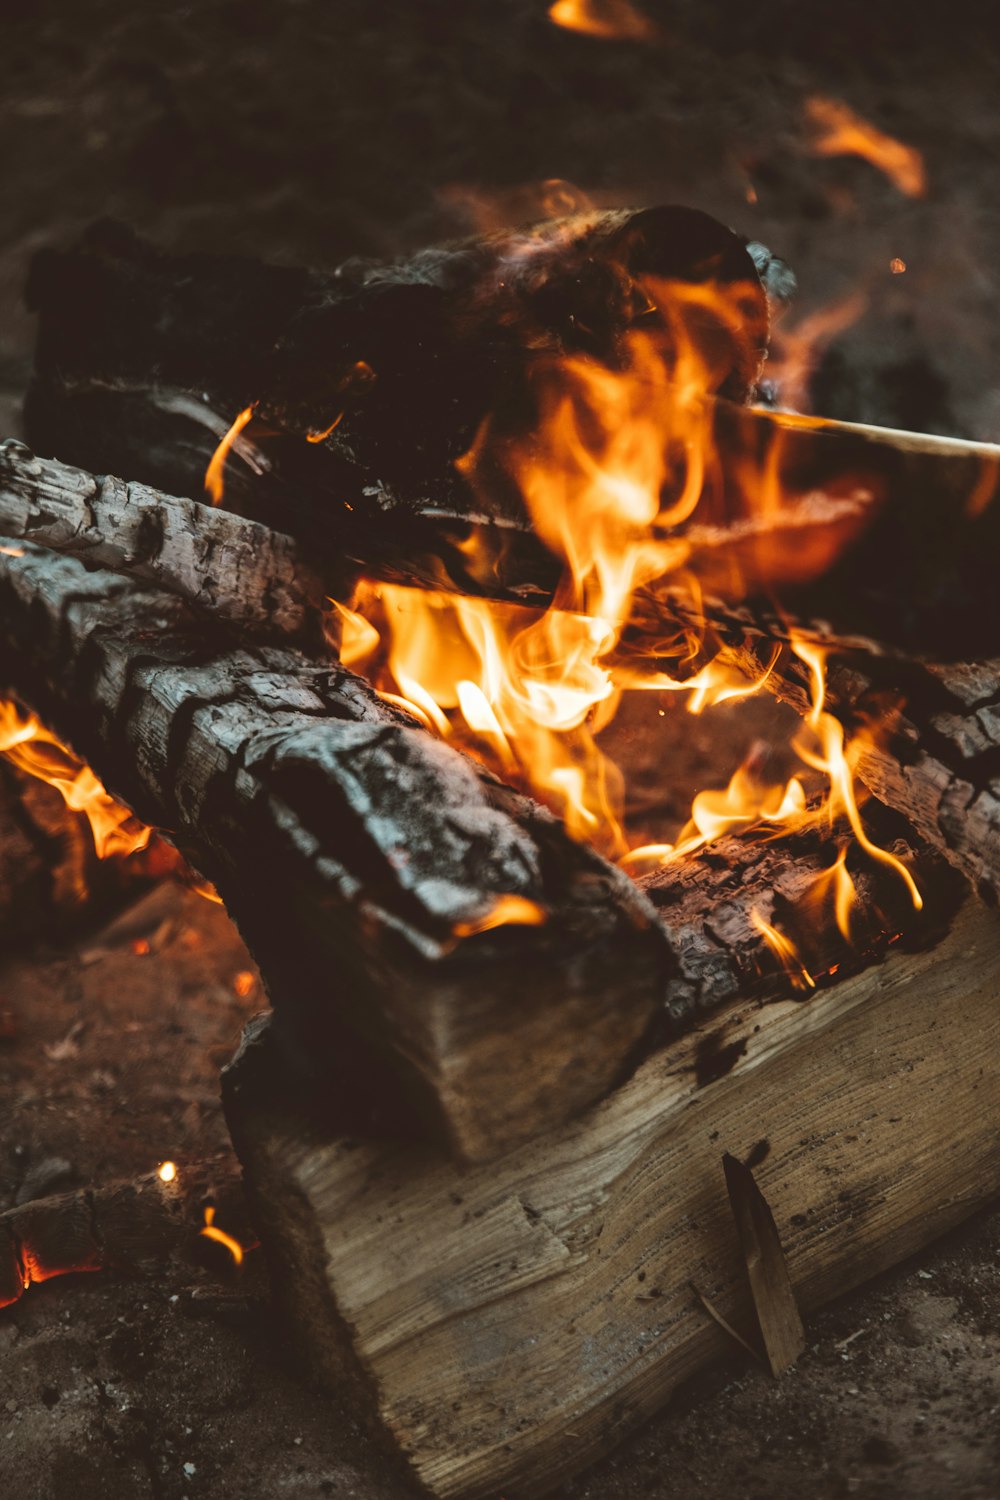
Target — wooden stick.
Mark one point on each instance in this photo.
(519, 1320)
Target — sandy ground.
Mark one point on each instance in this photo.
(306, 132)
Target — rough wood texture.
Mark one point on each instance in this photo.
(353, 850)
(144, 359)
(248, 576)
(133, 1227)
(513, 1323)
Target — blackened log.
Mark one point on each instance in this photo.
(133, 1227)
(360, 858)
(244, 574)
(144, 360)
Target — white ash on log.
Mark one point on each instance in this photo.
(505, 1326)
(361, 858)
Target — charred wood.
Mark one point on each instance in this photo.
(860, 535)
(384, 882)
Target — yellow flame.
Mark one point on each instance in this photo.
(839, 131)
(838, 879)
(37, 752)
(214, 473)
(785, 951)
(211, 1231)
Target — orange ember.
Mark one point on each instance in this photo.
(838, 131)
(611, 20)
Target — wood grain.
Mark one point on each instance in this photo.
(511, 1324)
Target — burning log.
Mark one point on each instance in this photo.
(394, 894)
(133, 1227)
(144, 360)
(390, 370)
(934, 767)
(520, 1318)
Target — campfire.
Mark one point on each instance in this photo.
(471, 542)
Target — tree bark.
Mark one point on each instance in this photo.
(360, 858)
(520, 1319)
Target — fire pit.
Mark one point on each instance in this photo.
(568, 1027)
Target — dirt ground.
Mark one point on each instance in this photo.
(307, 132)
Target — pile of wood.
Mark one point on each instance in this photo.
(485, 1133)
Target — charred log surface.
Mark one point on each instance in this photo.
(712, 907)
(935, 755)
(359, 857)
(144, 360)
(132, 1227)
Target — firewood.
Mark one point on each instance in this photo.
(504, 1326)
(933, 768)
(252, 578)
(435, 942)
(144, 360)
(134, 1227)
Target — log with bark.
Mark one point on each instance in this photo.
(144, 360)
(935, 760)
(394, 893)
(502, 1327)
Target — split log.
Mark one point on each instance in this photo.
(505, 1326)
(384, 883)
(143, 361)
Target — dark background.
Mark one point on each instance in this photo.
(310, 131)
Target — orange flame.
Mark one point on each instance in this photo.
(611, 20)
(37, 752)
(837, 879)
(214, 473)
(211, 1231)
(506, 911)
(838, 131)
(785, 951)
(11, 551)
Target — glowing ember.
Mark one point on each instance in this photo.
(612, 20)
(167, 1171)
(211, 1231)
(11, 551)
(785, 951)
(841, 132)
(244, 983)
(897, 266)
(214, 474)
